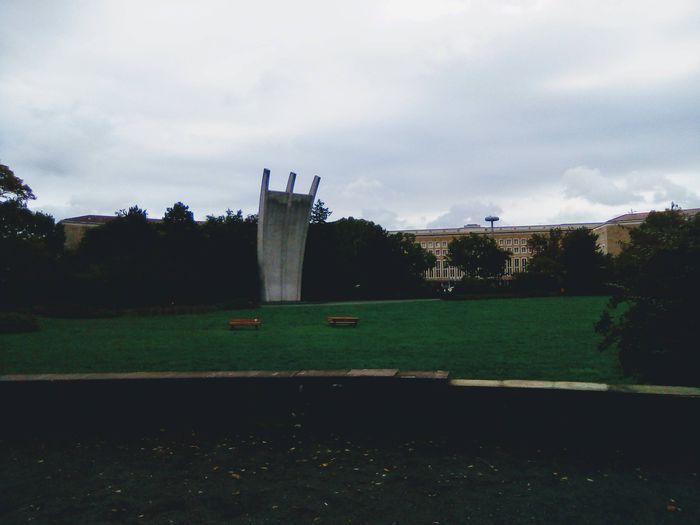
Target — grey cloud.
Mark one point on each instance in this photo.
(635, 187)
(388, 219)
(591, 185)
(472, 212)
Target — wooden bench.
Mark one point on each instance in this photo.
(342, 320)
(233, 323)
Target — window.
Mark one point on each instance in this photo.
(452, 272)
(524, 260)
(500, 241)
(516, 249)
(508, 266)
(515, 241)
(524, 249)
(508, 241)
(444, 244)
(422, 245)
(523, 241)
(516, 265)
(444, 272)
(430, 244)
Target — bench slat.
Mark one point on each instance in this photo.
(342, 320)
(233, 323)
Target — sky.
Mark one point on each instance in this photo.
(414, 114)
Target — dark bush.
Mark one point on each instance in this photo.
(535, 284)
(76, 311)
(16, 323)
(652, 320)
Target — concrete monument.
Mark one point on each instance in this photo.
(283, 222)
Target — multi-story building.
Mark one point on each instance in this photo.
(511, 238)
(611, 235)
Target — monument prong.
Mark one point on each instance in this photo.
(264, 186)
(314, 187)
(290, 182)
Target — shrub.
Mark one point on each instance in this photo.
(16, 323)
(655, 334)
(77, 311)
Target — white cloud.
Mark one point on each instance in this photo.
(640, 188)
(388, 219)
(591, 185)
(470, 212)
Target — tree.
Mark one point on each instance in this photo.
(569, 260)
(30, 244)
(179, 214)
(117, 264)
(354, 258)
(478, 256)
(585, 267)
(319, 213)
(133, 213)
(655, 331)
(544, 271)
(183, 276)
(13, 188)
(230, 255)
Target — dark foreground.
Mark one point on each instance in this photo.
(353, 453)
(300, 477)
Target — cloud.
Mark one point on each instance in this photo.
(590, 184)
(472, 212)
(362, 186)
(634, 187)
(388, 219)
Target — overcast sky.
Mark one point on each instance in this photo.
(414, 114)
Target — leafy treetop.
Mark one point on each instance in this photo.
(13, 188)
(319, 213)
(477, 256)
(179, 214)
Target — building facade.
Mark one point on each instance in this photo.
(513, 239)
(611, 235)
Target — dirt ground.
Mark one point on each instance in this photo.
(293, 473)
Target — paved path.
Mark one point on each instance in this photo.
(377, 373)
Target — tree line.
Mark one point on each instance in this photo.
(132, 261)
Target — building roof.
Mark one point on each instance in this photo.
(96, 219)
(639, 217)
(468, 228)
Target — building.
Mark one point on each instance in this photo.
(611, 234)
(510, 238)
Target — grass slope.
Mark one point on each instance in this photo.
(537, 338)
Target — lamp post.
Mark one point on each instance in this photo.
(492, 219)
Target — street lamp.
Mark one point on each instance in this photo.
(492, 219)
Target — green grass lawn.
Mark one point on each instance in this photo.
(536, 338)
